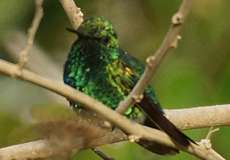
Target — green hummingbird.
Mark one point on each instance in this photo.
(98, 67)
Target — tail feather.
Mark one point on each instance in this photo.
(156, 116)
(158, 148)
(154, 146)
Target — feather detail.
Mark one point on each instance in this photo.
(158, 119)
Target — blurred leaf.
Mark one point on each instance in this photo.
(8, 122)
(51, 112)
(181, 83)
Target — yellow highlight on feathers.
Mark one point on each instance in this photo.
(128, 71)
(115, 72)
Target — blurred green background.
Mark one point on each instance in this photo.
(196, 73)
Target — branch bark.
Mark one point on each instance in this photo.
(190, 118)
(129, 127)
(170, 41)
(73, 12)
(31, 33)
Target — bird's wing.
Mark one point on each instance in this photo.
(149, 105)
(136, 69)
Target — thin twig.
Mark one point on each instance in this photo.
(206, 142)
(24, 55)
(40, 61)
(73, 12)
(129, 127)
(102, 154)
(170, 41)
(211, 131)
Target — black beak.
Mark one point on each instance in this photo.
(72, 30)
(78, 32)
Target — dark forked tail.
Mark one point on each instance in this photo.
(155, 117)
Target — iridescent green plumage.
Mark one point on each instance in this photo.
(98, 67)
(106, 77)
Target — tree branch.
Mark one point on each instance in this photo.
(73, 12)
(129, 127)
(31, 33)
(40, 61)
(190, 118)
(170, 41)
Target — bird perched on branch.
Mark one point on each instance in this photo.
(99, 68)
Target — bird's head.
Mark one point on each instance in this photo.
(100, 29)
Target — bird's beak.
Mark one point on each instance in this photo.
(78, 32)
(72, 30)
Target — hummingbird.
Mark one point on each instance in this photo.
(97, 66)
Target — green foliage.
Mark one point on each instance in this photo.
(8, 122)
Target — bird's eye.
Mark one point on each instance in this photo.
(105, 40)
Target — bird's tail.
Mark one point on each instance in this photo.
(155, 117)
(156, 147)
